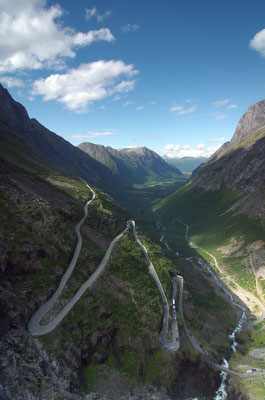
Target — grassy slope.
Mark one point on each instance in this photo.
(40, 206)
(214, 224)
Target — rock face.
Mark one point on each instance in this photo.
(240, 164)
(251, 121)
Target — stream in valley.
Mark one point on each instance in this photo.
(221, 392)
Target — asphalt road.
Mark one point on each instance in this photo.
(197, 347)
(34, 325)
(37, 329)
(175, 343)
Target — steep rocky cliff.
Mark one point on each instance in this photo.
(240, 164)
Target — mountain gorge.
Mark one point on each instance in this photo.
(109, 342)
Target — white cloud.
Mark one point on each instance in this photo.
(180, 151)
(181, 110)
(188, 110)
(127, 103)
(93, 12)
(88, 83)
(216, 140)
(92, 135)
(190, 100)
(221, 103)
(11, 82)
(33, 37)
(129, 28)
(176, 108)
(258, 42)
(169, 147)
(140, 108)
(232, 106)
(124, 86)
(90, 12)
(223, 116)
(153, 103)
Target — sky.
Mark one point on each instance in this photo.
(172, 75)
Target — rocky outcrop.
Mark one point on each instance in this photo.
(251, 121)
(240, 164)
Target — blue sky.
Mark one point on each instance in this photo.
(175, 76)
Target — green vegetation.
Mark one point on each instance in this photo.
(209, 301)
(154, 365)
(90, 374)
(213, 224)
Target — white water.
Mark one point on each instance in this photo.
(221, 393)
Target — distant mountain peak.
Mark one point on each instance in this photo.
(132, 164)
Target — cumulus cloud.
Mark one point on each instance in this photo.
(32, 36)
(129, 28)
(232, 106)
(140, 108)
(93, 12)
(179, 151)
(11, 81)
(79, 87)
(92, 135)
(221, 103)
(258, 42)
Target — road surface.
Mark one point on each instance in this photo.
(37, 329)
(175, 343)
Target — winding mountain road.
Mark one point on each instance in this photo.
(175, 343)
(37, 329)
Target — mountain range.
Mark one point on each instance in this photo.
(104, 167)
(109, 341)
(132, 165)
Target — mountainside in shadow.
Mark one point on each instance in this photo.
(111, 334)
(133, 165)
(53, 147)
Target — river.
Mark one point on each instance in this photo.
(221, 392)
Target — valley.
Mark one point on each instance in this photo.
(151, 271)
